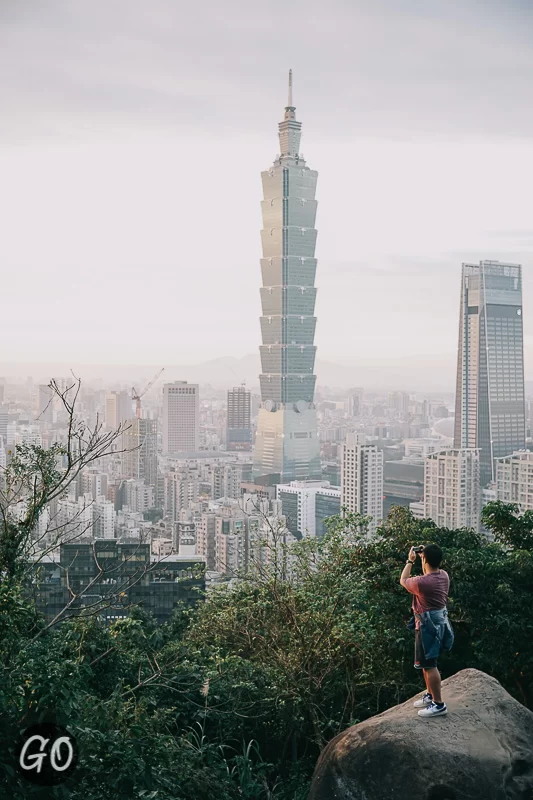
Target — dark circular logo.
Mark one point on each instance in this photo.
(47, 754)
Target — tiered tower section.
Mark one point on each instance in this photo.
(287, 445)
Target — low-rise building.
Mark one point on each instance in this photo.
(123, 574)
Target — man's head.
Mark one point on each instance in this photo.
(432, 554)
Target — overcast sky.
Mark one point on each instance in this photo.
(132, 138)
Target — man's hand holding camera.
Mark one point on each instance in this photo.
(414, 552)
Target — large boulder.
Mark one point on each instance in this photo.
(481, 750)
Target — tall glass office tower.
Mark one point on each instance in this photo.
(489, 401)
(287, 445)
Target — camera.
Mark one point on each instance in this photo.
(419, 548)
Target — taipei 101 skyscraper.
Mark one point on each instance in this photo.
(287, 446)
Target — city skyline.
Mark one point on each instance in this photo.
(92, 163)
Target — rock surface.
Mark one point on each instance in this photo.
(481, 750)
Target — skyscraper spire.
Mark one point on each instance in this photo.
(289, 104)
(289, 129)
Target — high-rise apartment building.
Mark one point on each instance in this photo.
(399, 401)
(74, 518)
(206, 530)
(182, 489)
(287, 444)
(362, 479)
(4, 420)
(103, 513)
(138, 496)
(139, 446)
(514, 479)
(239, 424)
(118, 409)
(93, 482)
(452, 489)
(489, 402)
(355, 402)
(181, 418)
(226, 479)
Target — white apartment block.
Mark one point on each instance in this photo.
(138, 496)
(93, 482)
(181, 418)
(362, 479)
(181, 490)
(299, 504)
(130, 526)
(205, 537)
(223, 536)
(226, 481)
(23, 434)
(231, 542)
(452, 495)
(85, 518)
(103, 518)
(514, 479)
(74, 518)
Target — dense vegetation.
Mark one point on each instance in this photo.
(236, 698)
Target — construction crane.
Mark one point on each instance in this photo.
(135, 395)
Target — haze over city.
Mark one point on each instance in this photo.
(132, 141)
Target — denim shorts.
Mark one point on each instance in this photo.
(421, 662)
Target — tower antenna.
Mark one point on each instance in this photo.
(290, 89)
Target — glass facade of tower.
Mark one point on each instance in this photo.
(287, 443)
(490, 402)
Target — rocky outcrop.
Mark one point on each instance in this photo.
(481, 750)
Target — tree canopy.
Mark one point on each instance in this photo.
(235, 699)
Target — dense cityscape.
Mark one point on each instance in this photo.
(201, 477)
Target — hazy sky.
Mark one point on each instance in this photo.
(133, 134)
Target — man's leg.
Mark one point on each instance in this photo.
(433, 683)
(425, 673)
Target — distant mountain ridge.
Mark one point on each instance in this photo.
(415, 374)
(422, 373)
(430, 374)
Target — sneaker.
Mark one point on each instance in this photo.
(423, 701)
(433, 710)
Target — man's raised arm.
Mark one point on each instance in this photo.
(406, 573)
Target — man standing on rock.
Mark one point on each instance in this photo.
(432, 628)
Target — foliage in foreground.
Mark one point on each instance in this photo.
(235, 699)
